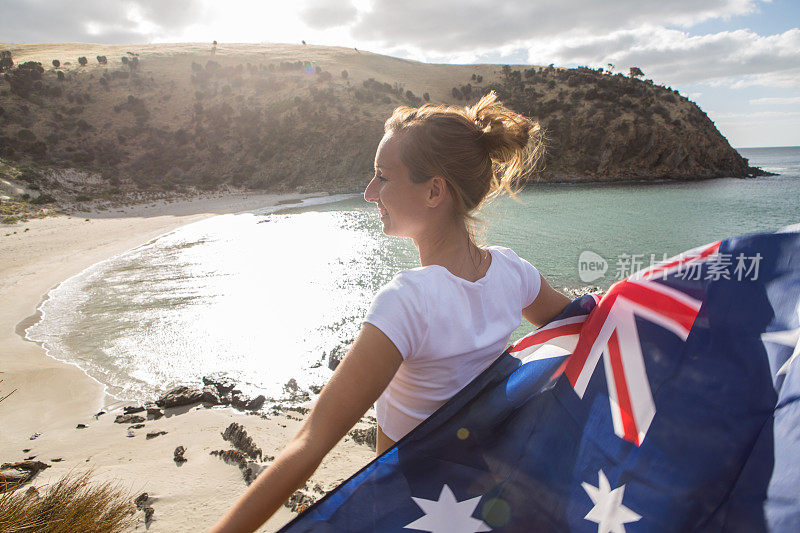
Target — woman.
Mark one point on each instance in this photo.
(434, 328)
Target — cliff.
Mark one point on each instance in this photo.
(105, 120)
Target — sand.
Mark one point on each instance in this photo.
(52, 397)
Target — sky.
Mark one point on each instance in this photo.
(738, 59)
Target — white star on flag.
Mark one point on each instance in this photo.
(447, 515)
(787, 337)
(608, 511)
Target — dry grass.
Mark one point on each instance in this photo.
(72, 504)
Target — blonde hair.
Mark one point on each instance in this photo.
(481, 150)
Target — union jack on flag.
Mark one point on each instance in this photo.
(693, 423)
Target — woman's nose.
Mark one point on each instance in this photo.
(369, 192)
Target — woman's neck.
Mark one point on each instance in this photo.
(451, 247)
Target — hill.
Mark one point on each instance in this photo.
(88, 121)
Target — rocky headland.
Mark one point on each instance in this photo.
(100, 125)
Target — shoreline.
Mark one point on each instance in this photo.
(53, 398)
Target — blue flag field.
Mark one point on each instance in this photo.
(669, 404)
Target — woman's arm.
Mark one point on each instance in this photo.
(358, 381)
(547, 305)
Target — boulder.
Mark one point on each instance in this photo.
(239, 400)
(128, 419)
(366, 436)
(178, 455)
(256, 403)
(154, 411)
(220, 382)
(238, 437)
(140, 500)
(178, 396)
(211, 395)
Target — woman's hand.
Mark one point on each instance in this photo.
(358, 381)
(547, 305)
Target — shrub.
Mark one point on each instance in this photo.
(56, 63)
(456, 93)
(26, 136)
(73, 503)
(636, 72)
(103, 60)
(82, 61)
(39, 200)
(344, 74)
(61, 76)
(124, 60)
(6, 63)
(426, 96)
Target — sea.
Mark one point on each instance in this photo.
(277, 294)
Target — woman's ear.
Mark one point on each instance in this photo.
(437, 191)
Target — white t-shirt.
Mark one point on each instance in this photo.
(448, 330)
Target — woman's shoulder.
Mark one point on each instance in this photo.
(505, 253)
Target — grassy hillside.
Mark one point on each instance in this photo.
(281, 117)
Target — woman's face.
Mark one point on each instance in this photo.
(401, 201)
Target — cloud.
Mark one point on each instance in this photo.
(107, 21)
(449, 26)
(777, 101)
(324, 14)
(771, 115)
(736, 58)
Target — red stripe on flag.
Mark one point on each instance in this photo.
(543, 336)
(664, 304)
(711, 249)
(621, 385)
(591, 329)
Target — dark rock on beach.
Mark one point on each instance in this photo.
(211, 395)
(128, 419)
(154, 412)
(155, 434)
(178, 455)
(181, 395)
(367, 436)
(256, 403)
(238, 437)
(28, 466)
(295, 393)
(14, 474)
(250, 470)
(81, 426)
(299, 502)
(130, 409)
(222, 383)
(140, 500)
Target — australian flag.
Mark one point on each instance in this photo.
(669, 404)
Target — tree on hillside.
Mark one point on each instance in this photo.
(6, 62)
(56, 63)
(103, 60)
(82, 60)
(636, 72)
(610, 67)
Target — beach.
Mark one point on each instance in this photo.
(52, 398)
